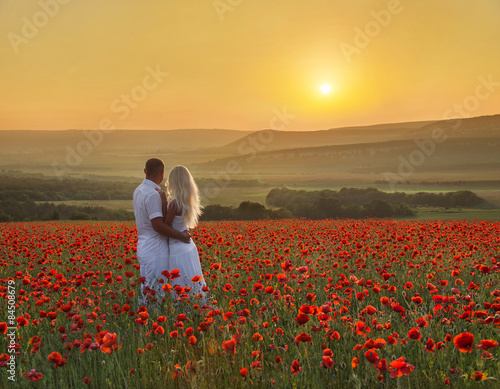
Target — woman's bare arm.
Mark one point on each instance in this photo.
(163, 197)
(172, 211)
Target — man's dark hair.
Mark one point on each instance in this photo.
(154, 166)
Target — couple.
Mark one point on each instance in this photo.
(164, 242)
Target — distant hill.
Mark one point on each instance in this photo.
(123, 140)
(467, 149)
(336, 136)
(479, 127)
(452, 155)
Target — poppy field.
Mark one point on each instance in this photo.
(291, 304)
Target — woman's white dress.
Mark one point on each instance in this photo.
(184, 257)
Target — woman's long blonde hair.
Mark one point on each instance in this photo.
(182, 188)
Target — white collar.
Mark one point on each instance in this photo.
(153, 184)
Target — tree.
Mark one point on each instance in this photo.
(378, 208)
(248, 210)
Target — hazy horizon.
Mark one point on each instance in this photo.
(261, 129)
(245, 65)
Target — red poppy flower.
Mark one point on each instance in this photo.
(302, 319)
(33, 375)
(378, 343)
(256, 337)
(303, 337)
(190, 367)
(362, 328)
(309, 309)
(414, 334)
(392, 340)
(430, 345)
(486, 344)
(182, 317)
(57, 359)
(296, 367)
(196, 279)
(478, 376)
(327, 362)
(229, 346)
(398, 308)
(381, 365)
(371, 356)
(371, 310)
(108, 343)
(464, 342)
(400, 367)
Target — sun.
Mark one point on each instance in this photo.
(325, 89)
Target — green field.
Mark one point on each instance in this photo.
(429, 213)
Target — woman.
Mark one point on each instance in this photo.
(182, 212)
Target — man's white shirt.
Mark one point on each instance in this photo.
(147, 206)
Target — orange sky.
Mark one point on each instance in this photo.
(245, 64)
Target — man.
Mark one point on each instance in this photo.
(151, 229)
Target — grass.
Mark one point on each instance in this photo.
(439, 213)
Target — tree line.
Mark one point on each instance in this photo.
(359, 203)
(25, 209)
(247, 210)
(52, 189)
(282, 197)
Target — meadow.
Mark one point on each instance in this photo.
(292, 304)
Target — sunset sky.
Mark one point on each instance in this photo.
(249, 64)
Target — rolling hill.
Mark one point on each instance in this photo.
(465, 149)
